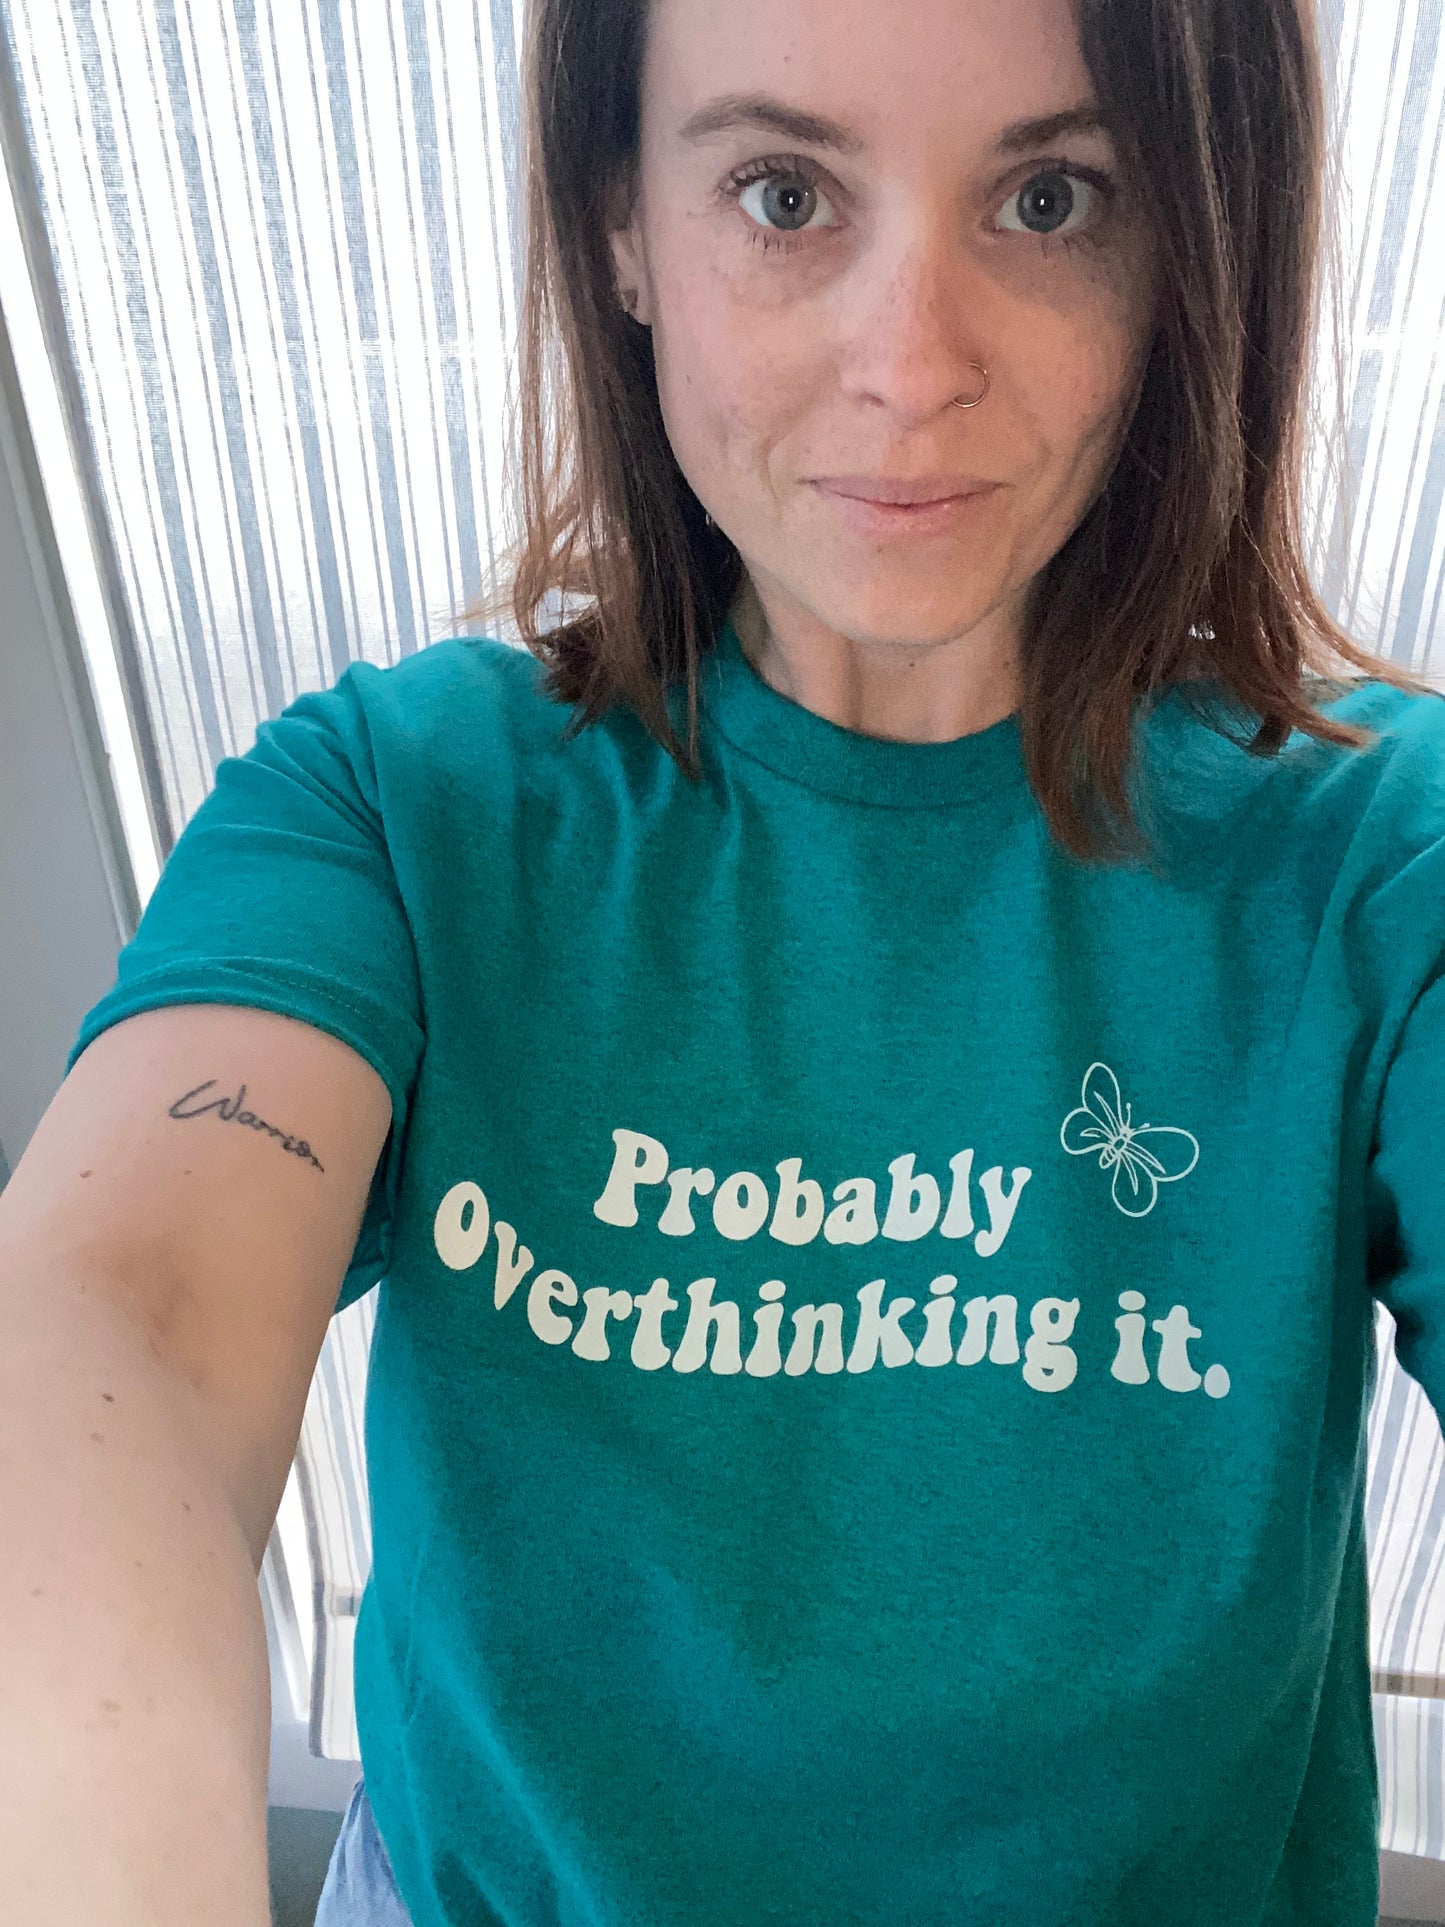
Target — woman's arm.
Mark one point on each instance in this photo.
(167, 1274)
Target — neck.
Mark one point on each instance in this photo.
(898, 691)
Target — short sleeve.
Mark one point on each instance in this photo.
(1406, 1194)
(280, 893)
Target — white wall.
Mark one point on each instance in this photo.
(64, 882)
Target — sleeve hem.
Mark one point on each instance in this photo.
(290, 991)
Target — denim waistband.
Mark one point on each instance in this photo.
(360, 1889)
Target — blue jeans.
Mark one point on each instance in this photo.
(360, 1888)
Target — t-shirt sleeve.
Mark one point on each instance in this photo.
(280, 893)
(1406, 1193)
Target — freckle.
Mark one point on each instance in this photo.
(85, 1174)
(109, 1397)
(185, 1505)
(111, 1706)
(99, 1437)
(36, 1592)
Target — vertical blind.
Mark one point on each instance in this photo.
(283, 241)
(1384, 577)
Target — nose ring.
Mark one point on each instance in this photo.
(974, 404)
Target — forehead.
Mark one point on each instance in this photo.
(953, 68)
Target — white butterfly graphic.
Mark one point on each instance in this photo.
(1102, 1123)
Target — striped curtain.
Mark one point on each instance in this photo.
(1379, 533)
(1405, 1529)
(284, 240)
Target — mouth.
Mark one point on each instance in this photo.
(876, 506)
(920, 491)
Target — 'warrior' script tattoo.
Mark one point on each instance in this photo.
(229, 1110)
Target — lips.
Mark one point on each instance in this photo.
(900, 492)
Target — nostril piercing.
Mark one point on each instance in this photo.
(974, 404)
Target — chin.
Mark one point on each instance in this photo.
(879, 618)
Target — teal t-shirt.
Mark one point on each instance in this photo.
(866, 1415)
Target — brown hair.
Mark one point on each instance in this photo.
(1190, 563)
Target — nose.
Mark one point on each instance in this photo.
(916, 322)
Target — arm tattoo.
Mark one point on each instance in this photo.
(229, 1110)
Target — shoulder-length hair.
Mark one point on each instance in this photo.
(1190, 564)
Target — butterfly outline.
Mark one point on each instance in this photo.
(1105, 1125)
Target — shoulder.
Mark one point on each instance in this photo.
(1356, 835)
(480, 675)
(464, 693)
(1397, 779)
(474, 712)
(1410, 725)
(1199, 747)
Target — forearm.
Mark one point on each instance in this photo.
(134, 1684)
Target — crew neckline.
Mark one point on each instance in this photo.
(797, 743)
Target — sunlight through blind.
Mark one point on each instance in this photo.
(285, 237)
(1388, 79)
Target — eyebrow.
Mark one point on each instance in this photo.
(731, 111)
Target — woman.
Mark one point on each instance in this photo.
(879, 1255)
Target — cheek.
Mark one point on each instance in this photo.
(1076, 355)
(1085, 411)
(730, 385)
(1075, 390)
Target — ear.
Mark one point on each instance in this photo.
(629, 255)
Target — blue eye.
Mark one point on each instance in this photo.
(1046, 204)
(782, 200)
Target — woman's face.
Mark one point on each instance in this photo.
(840, 206)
